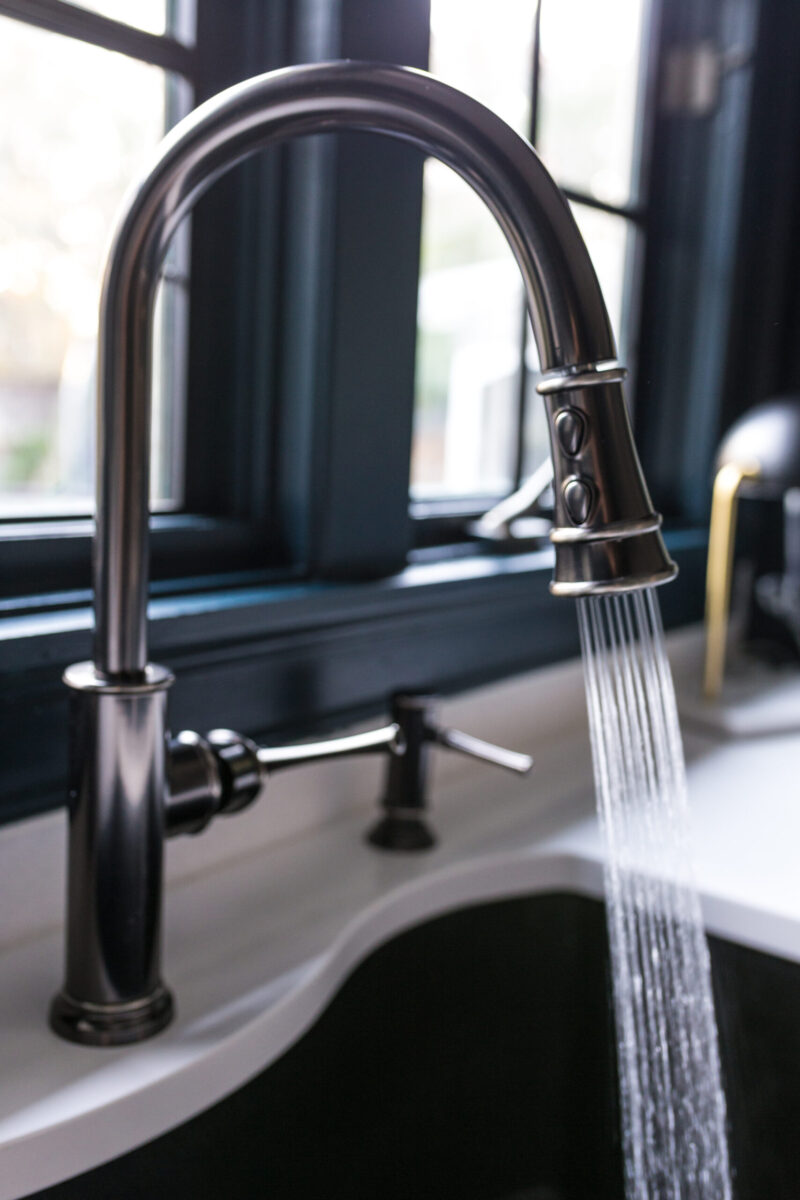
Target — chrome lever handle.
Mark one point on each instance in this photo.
(465, 743)
(388, 737)
(224, 772)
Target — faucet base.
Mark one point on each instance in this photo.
(111, 1024)
(405, 833)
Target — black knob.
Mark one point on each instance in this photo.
(578, 499)
(570, 430)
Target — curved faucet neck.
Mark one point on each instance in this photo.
(569, 318)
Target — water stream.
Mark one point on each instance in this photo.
(672, 1102)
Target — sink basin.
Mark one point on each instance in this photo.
(473, 1057)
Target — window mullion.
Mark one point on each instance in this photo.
(522, 398)
(351, 292)
(234, 282)
(631, 212)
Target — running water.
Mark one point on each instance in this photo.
(673, 1106)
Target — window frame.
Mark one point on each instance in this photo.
(311, 619)
(224, 514)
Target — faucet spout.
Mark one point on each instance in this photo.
(570, 321)
(606, 533)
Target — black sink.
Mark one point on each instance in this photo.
(473, 1058)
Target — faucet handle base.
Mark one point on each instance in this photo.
(111, 1024)
(403, 826)
(405, 832)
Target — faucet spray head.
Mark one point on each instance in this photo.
(606, 532)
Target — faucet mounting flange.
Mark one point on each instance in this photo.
(113, 992)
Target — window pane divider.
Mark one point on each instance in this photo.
(631, 212)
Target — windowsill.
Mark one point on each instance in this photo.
(297, 657)
(194, 609)
(45, 559)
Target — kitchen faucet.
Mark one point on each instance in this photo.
(129, 784)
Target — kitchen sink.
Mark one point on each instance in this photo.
(473, 1057)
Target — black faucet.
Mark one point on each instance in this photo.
(129, 784)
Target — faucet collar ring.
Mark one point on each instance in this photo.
(612, 587)
(588, 375)
(111, 1024)
(615, 530)
(87, 677)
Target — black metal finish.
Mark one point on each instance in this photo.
(112, 991)
(195, 788)
(111, 1024)
(606, 531)
(224, 772)
(403, 825)
(238, 767)
(569, 317)
(574, 340)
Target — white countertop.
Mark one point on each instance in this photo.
(268, 913)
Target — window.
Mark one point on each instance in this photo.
(88, 119)
(479, 428)
(289, 589)
(150, 15)
(94, 88)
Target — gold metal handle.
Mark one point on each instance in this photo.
(721, 539)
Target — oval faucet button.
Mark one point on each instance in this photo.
(578, 500)
(571, 429)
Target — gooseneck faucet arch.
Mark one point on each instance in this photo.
(605, 530)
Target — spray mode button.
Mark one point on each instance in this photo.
(578, 499)
(570, 430)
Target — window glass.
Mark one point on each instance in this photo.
(470, 297)
(606, 236)
(588, 86)
(468, 346)
(85, 122)
(150, 15)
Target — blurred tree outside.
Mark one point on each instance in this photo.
(80, 123)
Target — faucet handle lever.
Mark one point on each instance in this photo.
(388, 737)
(402, 825)
(465, 743)
(225, 772)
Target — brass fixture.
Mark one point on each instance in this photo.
(759, 458)
(719, 568)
